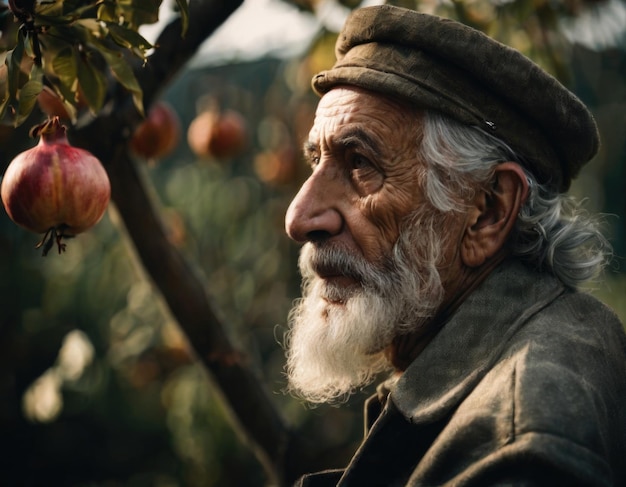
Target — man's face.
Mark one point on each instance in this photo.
(362, 151)
(372, 244)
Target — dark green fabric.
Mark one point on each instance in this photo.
(525, 385)
(443, 65)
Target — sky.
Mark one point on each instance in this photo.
(257, 28)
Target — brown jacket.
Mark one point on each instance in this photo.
(525, 386)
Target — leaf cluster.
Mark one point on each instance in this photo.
(78, 48)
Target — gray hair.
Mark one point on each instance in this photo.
(552, 230)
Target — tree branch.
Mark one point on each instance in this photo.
(183, 290)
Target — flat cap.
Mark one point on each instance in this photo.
(440, 64)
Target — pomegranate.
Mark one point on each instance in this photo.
(277, 167)
(54, 188)
(218, 134)
(159, 134)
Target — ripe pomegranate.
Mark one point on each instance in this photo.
(54, 188)
(159, 134)
(218, 134)
(277, 167)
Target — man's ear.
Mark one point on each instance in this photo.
(493, 213)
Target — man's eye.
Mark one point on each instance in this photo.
(360, 162)
(365, 175)
(313, 160)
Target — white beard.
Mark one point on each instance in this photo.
(337, 336)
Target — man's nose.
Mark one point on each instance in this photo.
(313, 214)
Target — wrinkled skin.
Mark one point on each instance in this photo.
(365, 176)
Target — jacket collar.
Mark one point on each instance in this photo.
(471, 341)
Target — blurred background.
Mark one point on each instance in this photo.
(97, 383)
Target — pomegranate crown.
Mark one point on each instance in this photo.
(51, 129)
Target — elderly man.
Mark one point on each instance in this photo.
(440, 248)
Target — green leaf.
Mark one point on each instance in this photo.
(107, 12)
(183, 8)
(60, 33)
(92, 82)
(128, 38)
(92, 27)
(50, 8)
(66, 71)
(28, 45)
(92, 75)
(69, 96)
(80, 8)
(71, 6)
(124, 74)
(139, 12)
(64, 65)
(44, 17)
(28, 94)
(50, 20)
(5, 96)
(14, 67)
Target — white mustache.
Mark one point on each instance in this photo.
(323, 260)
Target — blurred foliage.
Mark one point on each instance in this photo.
(97, 384)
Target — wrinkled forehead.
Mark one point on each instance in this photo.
(347, 106)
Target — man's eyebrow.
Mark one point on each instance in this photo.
(350, 138)
(357, 137)
(309, 147)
